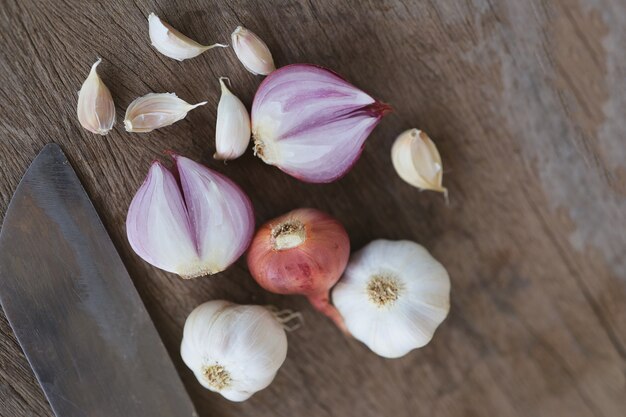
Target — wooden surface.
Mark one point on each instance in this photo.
(525, 100)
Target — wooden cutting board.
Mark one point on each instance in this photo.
(526, 103)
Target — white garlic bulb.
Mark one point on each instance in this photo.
(417, 161)
(232, 131)
(393, 295)
(232, 349)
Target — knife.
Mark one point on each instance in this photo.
(73, 307)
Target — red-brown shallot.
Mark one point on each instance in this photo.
(302, 252)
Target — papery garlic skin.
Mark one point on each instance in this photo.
(95, 109)
(172, 43)
(197, 226)
(417, 161)
(232, 131)
(156, 110)
(252, 51)
(393, 296)
(311, 123)
(235, 350)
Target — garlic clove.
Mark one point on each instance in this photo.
(172, 43)
(252, 51)
(232, 131)
(157, 224)
(156, 110)
(235, 350)
(95, 109)
(310, 123)
(197, 225)
(393, 296)
(417, 161)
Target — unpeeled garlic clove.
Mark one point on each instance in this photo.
(96, 111)
(252, 51)
(417, 161)
(232, 131)
(156, 110)
(172, 43)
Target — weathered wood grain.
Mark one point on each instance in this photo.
(525, 101)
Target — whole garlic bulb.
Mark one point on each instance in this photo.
(232, 349)
(393, 295)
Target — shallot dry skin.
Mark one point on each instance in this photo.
(302, 252)
(311, 123)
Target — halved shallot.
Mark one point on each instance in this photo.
(189, 220)
(311, 123)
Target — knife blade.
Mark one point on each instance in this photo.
(73, 306)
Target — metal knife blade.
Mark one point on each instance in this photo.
(73, 307)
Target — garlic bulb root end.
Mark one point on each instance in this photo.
(217, 376)
(384, 289)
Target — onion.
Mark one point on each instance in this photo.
(302, 252)
(189, 219)
(311, 123)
